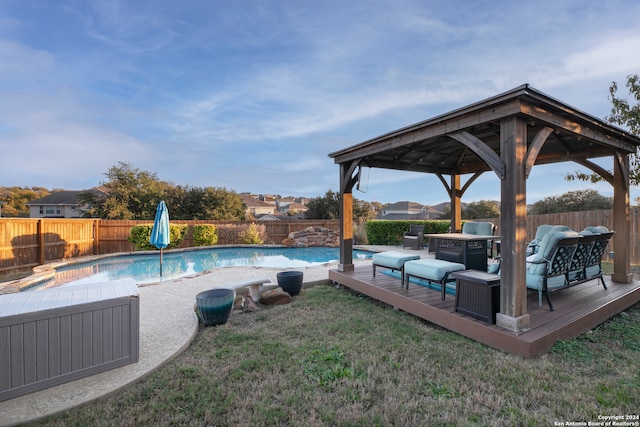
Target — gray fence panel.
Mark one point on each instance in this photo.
(65, 341)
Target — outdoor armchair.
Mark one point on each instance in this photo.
(414, 238)
(478, 228)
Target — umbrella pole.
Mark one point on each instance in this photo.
(160, 262)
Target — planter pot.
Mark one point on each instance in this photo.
(290, 281)
(214, 306)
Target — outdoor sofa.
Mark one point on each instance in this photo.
(566, 258)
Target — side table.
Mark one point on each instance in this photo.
(477, 294)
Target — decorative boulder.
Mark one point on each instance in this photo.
(312, 236)
(276, 296)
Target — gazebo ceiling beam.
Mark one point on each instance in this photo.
(555, 156)
(534, 149)
(605, 174)
(467, 184)
(482, 150)
(412, 167)
(559, 122)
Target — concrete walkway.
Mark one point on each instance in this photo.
(168, 324)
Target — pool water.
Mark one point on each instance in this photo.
(145, 268)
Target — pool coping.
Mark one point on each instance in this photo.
(46, 272)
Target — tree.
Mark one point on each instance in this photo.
(475, 210)
(328, 207)
(481, 209)
(363, 211)
(14, 199)
(131, 194)
(204, 203)
(218, 203)
(572, 201)
(626, 115)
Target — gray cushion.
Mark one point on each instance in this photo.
(477, 228)
(434, 269)
(547, 245)
(392, 259)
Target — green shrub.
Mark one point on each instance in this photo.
(251, 236)
(140, 235)
(205, 235)
(380, 232)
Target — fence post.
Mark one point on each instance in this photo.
(96, 237)
(40, 232)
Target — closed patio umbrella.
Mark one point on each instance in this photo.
(160, 232)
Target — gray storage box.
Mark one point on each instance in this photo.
(52, 336)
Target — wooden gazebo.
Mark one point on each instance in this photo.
(506, 134)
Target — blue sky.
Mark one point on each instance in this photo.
(252, 95)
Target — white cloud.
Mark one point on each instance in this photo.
(20, 62)
(242, 93)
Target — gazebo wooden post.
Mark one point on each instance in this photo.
(513, 226)
(346, 217)
(621, 220)
(456, 208)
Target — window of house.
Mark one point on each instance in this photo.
(41, 210)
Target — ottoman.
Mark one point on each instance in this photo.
(433, 270)
(392, 260)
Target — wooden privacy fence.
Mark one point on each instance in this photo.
(28, 242)
(580, 220)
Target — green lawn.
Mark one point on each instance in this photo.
(336, 358)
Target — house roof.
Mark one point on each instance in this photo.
(403, 206)
(271, 217)
(252, 202)
(294, 206)
(64, 197)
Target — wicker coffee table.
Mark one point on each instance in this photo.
(477, 294)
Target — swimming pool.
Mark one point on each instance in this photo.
(145, 267)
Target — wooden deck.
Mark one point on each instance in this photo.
(577, 309)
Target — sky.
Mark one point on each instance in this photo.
(253, 95)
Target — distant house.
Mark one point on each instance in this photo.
(60, 204)
(271, 217)
(292, 207)
(283, 201)
(407, 210)
(268, 198)
(255, 207)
